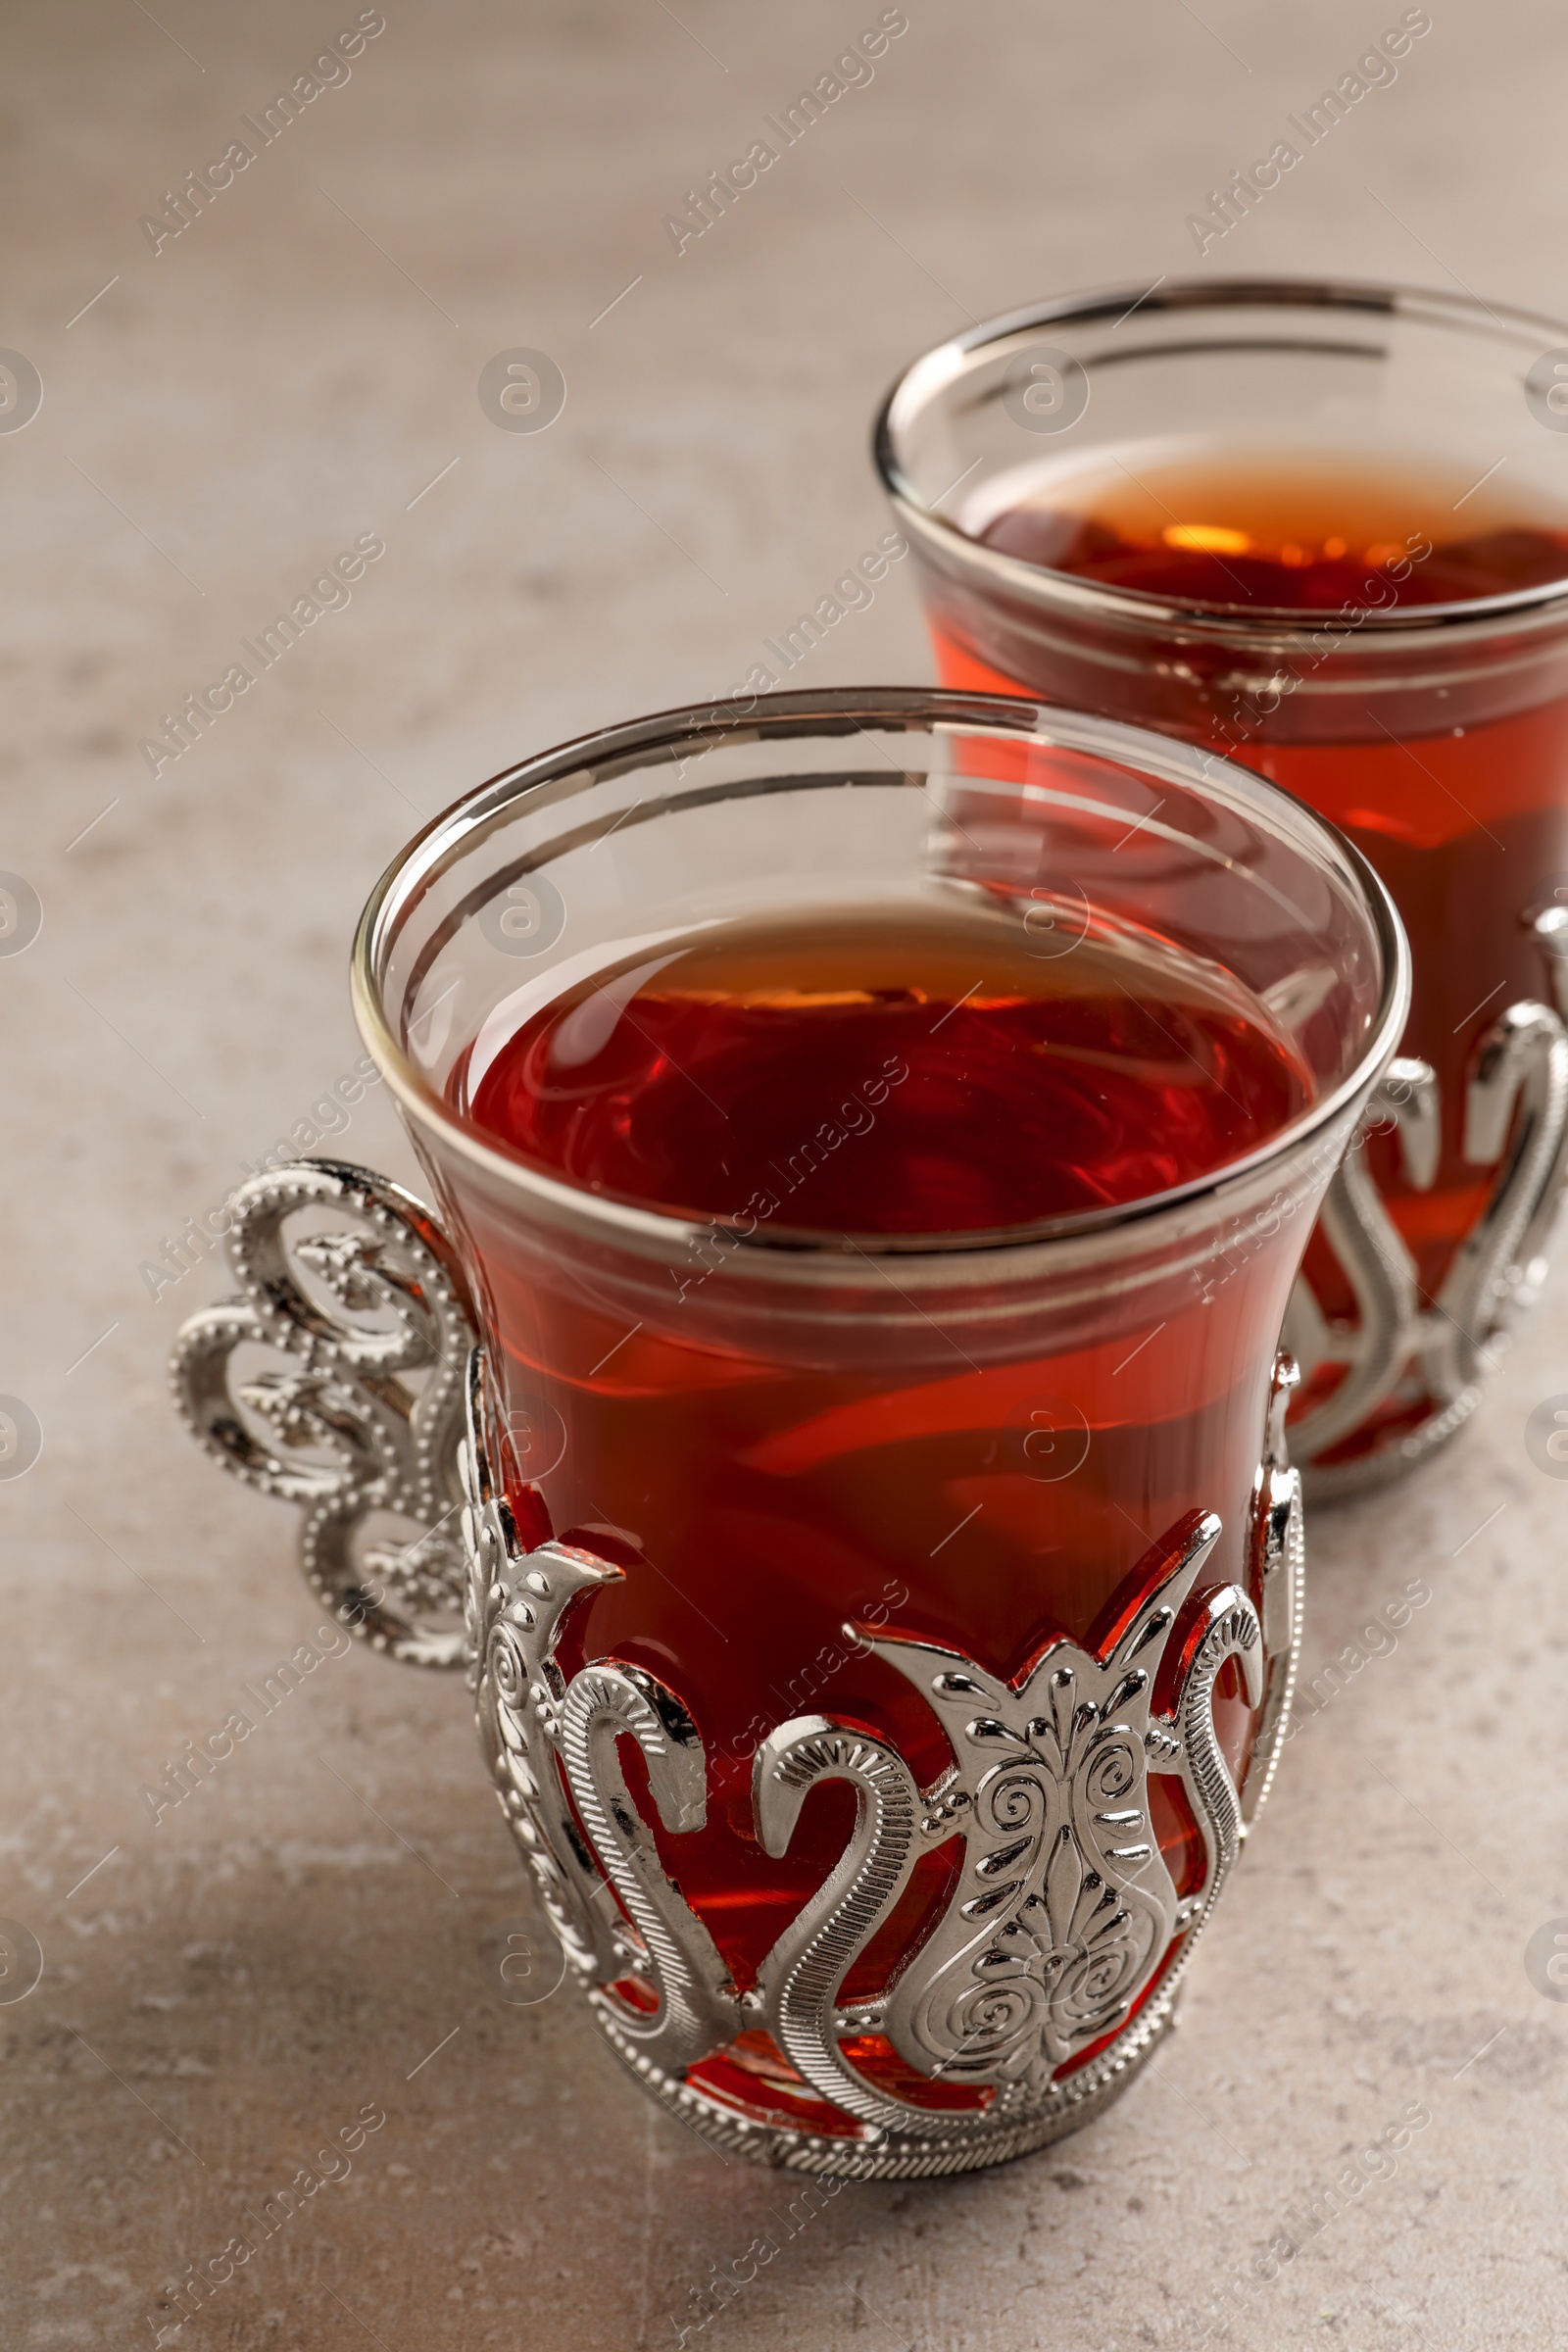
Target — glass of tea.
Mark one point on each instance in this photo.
(1320, 530)
(874, 1139)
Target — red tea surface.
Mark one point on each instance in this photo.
(1232, 529)
(1466, 821)
(922, 1072)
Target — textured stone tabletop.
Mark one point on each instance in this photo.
(309, 1944)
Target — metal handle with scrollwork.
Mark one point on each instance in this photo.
(362, 1421)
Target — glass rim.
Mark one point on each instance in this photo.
(798, 1252)
(1240, 625)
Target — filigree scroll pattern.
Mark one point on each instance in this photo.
(1516, 1117)
(364, 1418)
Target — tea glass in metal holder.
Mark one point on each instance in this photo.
(1434, 1233)
(881, 1642)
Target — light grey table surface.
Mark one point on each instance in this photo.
(226, 1987)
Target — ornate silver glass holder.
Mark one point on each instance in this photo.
(1518, 1089)
(1053, 1973)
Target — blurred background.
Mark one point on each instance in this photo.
(236, 385)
